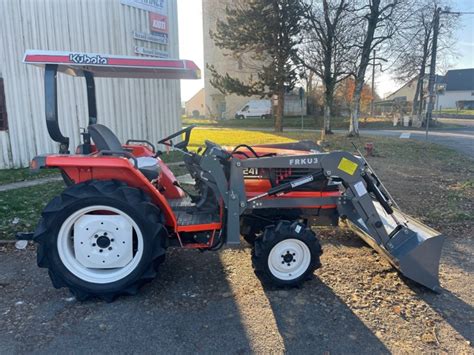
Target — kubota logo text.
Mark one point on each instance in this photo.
(79, 58)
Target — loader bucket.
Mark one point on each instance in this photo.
(414, 249)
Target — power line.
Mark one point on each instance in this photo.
(457, 13)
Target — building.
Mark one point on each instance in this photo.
(453, 90)
(194, 107)
(408, 90)
(222, 106)
(120, 27)
(457, 91)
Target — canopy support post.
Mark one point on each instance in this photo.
(91, 101)
(51, 108)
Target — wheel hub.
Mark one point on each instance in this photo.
(103, 241)
(288, 257)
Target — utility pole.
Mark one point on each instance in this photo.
(373, 87)
(431, 81)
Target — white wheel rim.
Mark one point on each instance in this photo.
(287, 268)
(66, 252)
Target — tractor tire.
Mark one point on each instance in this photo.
(286, 255)
(106, 206)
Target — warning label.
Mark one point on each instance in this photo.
(347, 166)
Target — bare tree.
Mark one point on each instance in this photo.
(327, 47)
(381, 21)
(415, 43)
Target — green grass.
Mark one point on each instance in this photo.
(15, 175)
(309, 122)
(455, 111)
(20, 209)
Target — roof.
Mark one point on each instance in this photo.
(439, 79)
(114, 66)
(196, 95)
(460, 80)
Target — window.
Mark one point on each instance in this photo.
(3, 108)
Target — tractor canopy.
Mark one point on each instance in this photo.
(113, 66)
(92, 65)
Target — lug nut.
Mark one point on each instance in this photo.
(110, 248)
(100, 251)
(93, 244)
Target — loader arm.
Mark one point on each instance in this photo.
(411, 247)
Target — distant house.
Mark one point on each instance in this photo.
(458, 90)
(408, 90)
(194, 107)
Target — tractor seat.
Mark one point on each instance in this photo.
(105, 139)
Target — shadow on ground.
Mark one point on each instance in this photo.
(187, 309)
(317, 320)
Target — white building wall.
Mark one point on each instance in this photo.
(448, 99)
(138, 108)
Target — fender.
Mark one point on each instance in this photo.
(81, 168)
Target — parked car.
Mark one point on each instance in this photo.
(255, 108)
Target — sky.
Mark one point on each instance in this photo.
(191, 45)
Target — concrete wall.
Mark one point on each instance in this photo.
(218, 105)
(142, 109)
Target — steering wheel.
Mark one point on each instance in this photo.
(181, 145)
(217, 150)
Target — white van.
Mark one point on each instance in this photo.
(255, 108)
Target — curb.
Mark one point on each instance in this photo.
(29, 183)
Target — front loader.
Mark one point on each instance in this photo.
(108, 232)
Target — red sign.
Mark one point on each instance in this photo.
(158, 23)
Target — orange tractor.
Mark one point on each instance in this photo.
(108, 232)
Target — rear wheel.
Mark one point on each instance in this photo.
(286, 254)
(102, 239)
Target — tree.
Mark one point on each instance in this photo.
(381, 20)
(344, 94)
(416, 44)
(327, 49)
(266, 31)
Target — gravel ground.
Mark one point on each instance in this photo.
(213, 303)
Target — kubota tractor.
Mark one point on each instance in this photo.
(108, 232)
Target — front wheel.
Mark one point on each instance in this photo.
(101, 239)
(286, 255)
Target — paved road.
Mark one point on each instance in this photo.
(461, 139)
